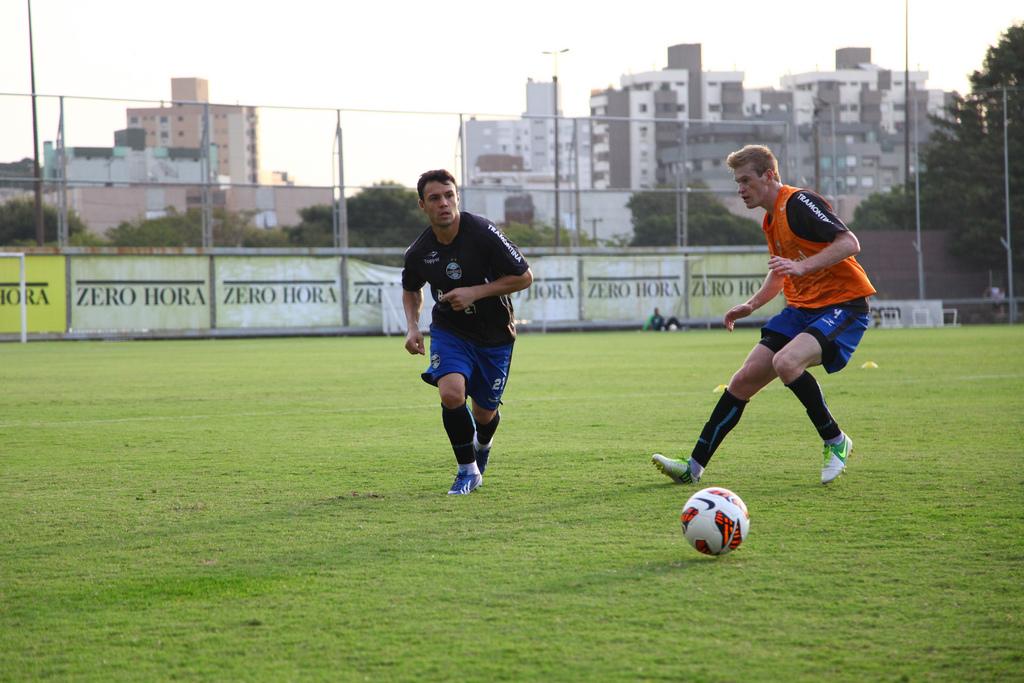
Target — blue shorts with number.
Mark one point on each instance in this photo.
(837, 329)
(484, 367)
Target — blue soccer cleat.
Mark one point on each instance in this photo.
(482, 454)
(465, 483)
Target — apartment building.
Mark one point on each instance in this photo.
(107, 186)
(234, 130)
(841, 131)
(649, 113)
(522, 151)
(510, 163)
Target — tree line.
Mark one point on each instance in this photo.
(384, 215)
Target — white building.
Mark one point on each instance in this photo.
(862, 92)
(510, 164)
(233, 129)
(840, 131)
(111, 185)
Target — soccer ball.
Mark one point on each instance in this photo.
(715, 521)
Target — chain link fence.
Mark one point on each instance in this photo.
(241, 175)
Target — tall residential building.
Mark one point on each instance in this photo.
(843, 129)
(522, 151)
(634, 123)
(234, 130)
(510, 163)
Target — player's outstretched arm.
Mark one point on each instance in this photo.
(769, 290)
(412, 302)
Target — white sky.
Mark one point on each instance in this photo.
(460, 56)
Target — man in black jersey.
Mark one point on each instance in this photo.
(472, 268)
(811, 260)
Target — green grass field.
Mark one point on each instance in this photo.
(276, 510)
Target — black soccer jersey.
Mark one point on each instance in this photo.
(480, 253)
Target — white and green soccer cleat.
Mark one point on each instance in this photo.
(676, 470)
(834, 457)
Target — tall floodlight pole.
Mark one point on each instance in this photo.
(554, 84)
(917, 208)
(799, 176)
(835, 160)
(40, 234)
(340, 208)
(906, 92)
(816, 143)
(686, 186)
(1006, 194)
(207, 175)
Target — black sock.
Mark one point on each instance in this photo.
(807, 390)
(459, 425)
(484, 433)
(723, 418)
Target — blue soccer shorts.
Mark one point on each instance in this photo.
(484, 367)
(837, 329)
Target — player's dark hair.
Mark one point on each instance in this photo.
(438, 176)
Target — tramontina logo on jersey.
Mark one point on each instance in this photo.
(814, 209)
(453, 271)
(504, 240)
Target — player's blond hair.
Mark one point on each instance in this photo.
(758, 156)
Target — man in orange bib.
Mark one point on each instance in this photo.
(812, 262)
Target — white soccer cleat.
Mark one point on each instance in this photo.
(676, 470)
(834, 457)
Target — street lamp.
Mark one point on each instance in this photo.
(554, 83)
(816, 143)
(819, 105)
(40, 234)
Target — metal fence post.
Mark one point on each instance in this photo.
(63, 231)
(207, 167)
(1008, 243)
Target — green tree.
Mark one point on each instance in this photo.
(892, 210)
(230, 229)
(541, 235)
(315, 229)
(963, 184)
(14, 173)
(18, 224)
(235, 229)
(708, 221)
(385, 215)
(172, 230)
(962, 179)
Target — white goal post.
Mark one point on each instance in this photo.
(21, 289)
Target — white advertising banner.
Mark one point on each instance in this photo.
(280, 291)
(631, 287)
(614, 289)
(555, 293)
(720, 281)
(375, 298)
(139, 293)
